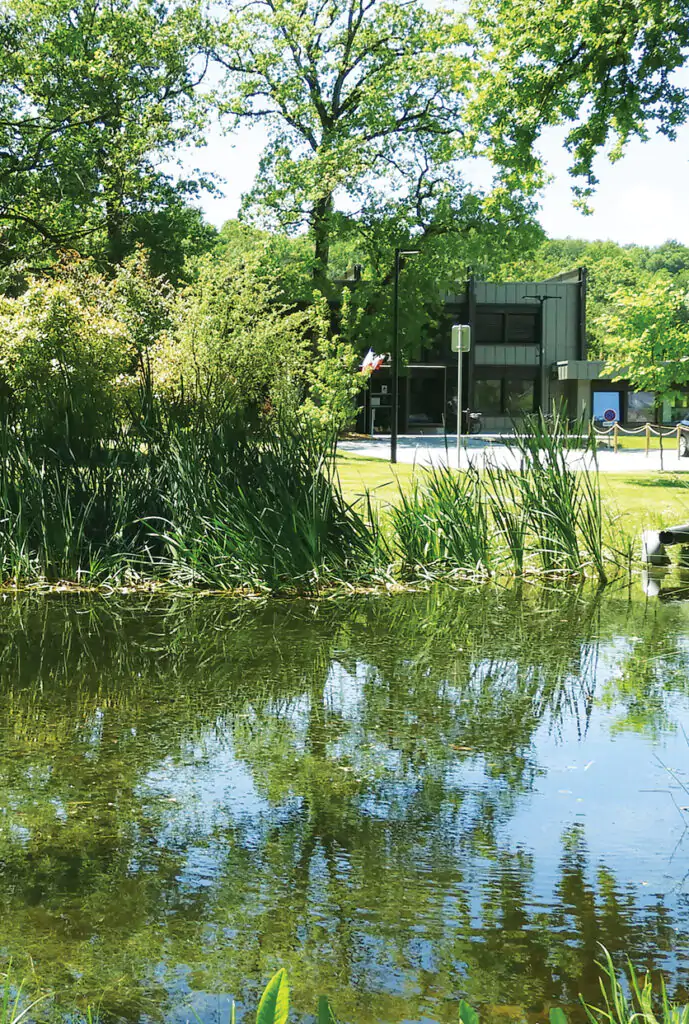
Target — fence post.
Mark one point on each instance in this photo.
(648, 438)
(679, 434)
(616, 437)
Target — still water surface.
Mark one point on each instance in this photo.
(403, 800)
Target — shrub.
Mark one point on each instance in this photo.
(63, 360)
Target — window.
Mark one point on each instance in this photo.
(488, 397)
(507, 326)
(641, 407)
(505, 396)
(679, 409)
(490, 328)
(520, 396)
(521, 327)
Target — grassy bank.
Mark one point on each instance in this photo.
(215, 505)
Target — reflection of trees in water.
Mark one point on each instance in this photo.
(373, 858)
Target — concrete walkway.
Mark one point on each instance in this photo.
(425, 450)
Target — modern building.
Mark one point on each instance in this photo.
(528, 351)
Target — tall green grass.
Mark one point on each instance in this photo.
(542, 518)
(216, 504)
(208, 503)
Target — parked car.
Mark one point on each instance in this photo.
(684, 437)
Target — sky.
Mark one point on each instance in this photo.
(642, 199)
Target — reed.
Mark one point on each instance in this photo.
(212, 502)
(443, 525)
(543, 518)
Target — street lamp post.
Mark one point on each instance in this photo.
(541, 299)
(394, 355)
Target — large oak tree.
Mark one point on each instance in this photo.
(362, 99)
(94, 96)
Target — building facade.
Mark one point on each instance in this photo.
(521, 331)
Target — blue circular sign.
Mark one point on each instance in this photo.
(609, 415)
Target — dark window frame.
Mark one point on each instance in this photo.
(503, 374)
(507, 310)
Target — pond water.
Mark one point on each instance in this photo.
(404, 800)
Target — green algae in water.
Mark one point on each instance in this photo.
(403, 800)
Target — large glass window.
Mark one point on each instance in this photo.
(641, 406)
(679, 410)
(520, 396)
(488, 397)
(504, 396)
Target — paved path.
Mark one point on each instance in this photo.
(428, 450)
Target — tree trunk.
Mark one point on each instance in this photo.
(114, 220)
(321, 226)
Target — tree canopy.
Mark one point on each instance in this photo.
(366, 104)
(606, 70)
(94, 96)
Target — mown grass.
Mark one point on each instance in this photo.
(641, 501)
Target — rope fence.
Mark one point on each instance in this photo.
(610, 436)
(649, 430)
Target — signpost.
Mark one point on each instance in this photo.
(461, 343)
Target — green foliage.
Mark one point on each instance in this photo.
(62, 357)
(467, 1014)
(325, 1013)
(237, 344)
(605, 71)
(273, 1007)
(645, 336)
(93, 98)
(543, 517)
(332, 376)
(352, 117)
(73, 347)
(209, 504)
(612, 269)
(641, 1005)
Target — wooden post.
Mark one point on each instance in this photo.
(679, 442)
(648, 438)
(616, 436)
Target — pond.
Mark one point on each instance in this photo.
(403, 799)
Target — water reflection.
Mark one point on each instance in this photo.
(194, 792)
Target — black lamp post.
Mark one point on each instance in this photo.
(394, 355)
(541, 299)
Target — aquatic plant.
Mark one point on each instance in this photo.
(642, 1006)
(543, 517)
(209, 501)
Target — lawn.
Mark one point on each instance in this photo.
(642, 500)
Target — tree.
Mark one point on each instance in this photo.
(361, 98)
(237, 344)
(604, 68)
(645, 337)
(95, 94)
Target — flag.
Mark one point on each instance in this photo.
(372, 362)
